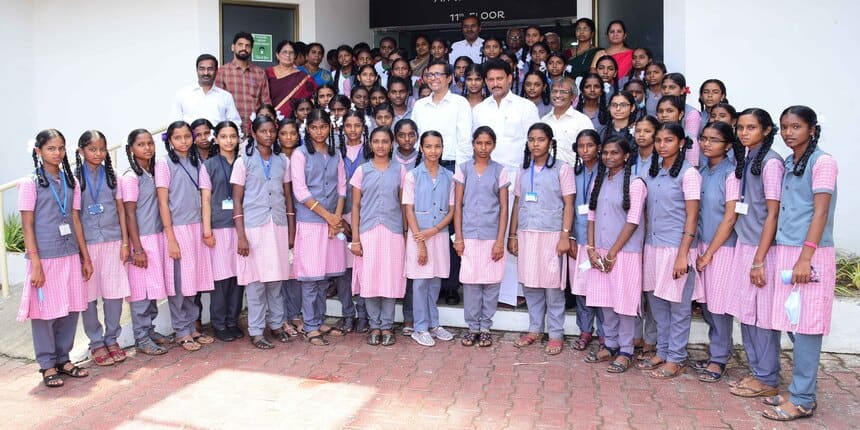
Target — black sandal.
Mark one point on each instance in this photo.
(281, 335)
(485, 339)
(334, 331)
(52, 381)
(469, 339)
(706, 375)
(74, 371)
(388, 338)
(596, 356)
(374, 338)
(316, 338)
(618, 367)
(261, 342)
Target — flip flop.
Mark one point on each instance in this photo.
(778, 413)
(527, 339)
(662, 373)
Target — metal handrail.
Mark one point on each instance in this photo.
(4, 258)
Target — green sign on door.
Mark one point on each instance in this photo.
(262, 48)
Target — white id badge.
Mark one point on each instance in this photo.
(531, 197)
(742, 208)
(582, 210)
(227, 204)
(585, 265)
(65, 230)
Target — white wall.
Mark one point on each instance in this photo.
(343, 22)
(773, 54)
(16, 85)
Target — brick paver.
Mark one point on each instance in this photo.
(352, 385)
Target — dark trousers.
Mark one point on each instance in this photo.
(452, 282)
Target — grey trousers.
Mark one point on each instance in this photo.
(618, 330)
(673, 324)
(265, 305)
(545, 303)
(480, 302)
(762, 347)
(54, 339)
(807, 355)
(408, 315)
(719, 335)
(349, 309)
(102, 336)
(143, 313)
(586, 316)
(313, 303)
(425, 293)
(380, 312)
(225, 303)
(183, 313)
(646, 327)
(292, 292)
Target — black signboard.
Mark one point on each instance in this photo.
(403, 13)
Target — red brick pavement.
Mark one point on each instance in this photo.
(352, 385)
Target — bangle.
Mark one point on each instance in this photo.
(238, 216)
(609, 259)
(589, 246)
(571, 238)
(690, 234)
(125, 245)
(458, 241)
(316, 203)
(514, 237)
(354, 243)
(139, 251)
(810, 244)
(33, 251)
(757, 266)
(565, 230)
(290, 213)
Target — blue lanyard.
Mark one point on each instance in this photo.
(636, 164)
(226, 167)
(90, 186)
(63, 204)
(267, 167)
(587, 184)
(744, 179)
(533, 176)
(351, 165)
(189, 174)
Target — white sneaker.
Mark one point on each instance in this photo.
(423, 338)
(441, 334)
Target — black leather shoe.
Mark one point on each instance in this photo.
(225, 335)
(237, 332)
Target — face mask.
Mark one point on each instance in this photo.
(792, 307)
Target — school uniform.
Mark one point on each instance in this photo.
(480, 275)
(540, 271)
(670, 301)
(147, 284)
(192, 273)
(595, 121)
(719, 186)
(54, 317)
(103, 235)
(318, 258)
(751, 304)
(816, 298)
(619, 292)
(409, 162)
(652, 99)
(692, 121)
(432, 198)
(382, 243)
(646, 327)
(352, 162)
(585, 315)
(226, 299)
(265, 218)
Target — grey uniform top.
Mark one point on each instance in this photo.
(380, 197)
(220, 170)
(321, 179)
(666, 208)
(431, 197)
(98, 226)
(713, 206)
(148, 218)
(796, 210)
(48, 217)
(183, 192)
(749, 226)
(610, 216)
(481, 200)
(264, 198)
(546, 214)
(583, 193)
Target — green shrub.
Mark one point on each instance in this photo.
(14, 233)
(848, 276)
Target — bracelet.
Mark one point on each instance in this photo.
(354, 243)
(33, 251)
(238, 216)
(125, 245)
(139, 251)
(589, 246)
(810, 244)
(565, 230)
(690, 234)
(291, 213)
(512, 237)
(609, 259)
(757, 266)
(573, 238)
(316, 203)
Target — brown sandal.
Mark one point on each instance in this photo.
(102, 356)
(290, 329)
(116, 352)
(581, 343)
(663, 373)
(316, 338)
(650, 363)
(527, 339)
(554, 347)
(202, 338)
(187, 343)
(333, 331)
(485, 339)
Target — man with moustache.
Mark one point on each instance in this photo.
(510, 116)
(471, 44)
(245, 81)
(204, 99)
(566, 122)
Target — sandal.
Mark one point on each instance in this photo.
(188, 344)
(749, 392)
(774, 400)
(102, 357)
(281, 335)
(261, 342)
(388, 338)
(116, 352)
(73, 371)
(316, 338)
(581, 343)
(53, 380)
(527, 339)
(334, 331)
(149, 347)
(601, 355)
(646, 352)
(290, 329)
(374, 338)
(469, 339)
(554, 347)
(650, 363)
(202, 338)
(710, 376)
(663, 373)
(741, 382)
(299, 324)
(161, 339)
(485, 339)
(779, 413)
(620, 366)
(348, 325)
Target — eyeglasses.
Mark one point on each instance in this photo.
(288, 53)
(435, 75)
(561, 92)
(619, 105)
(708, 140)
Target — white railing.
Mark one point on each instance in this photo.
(4, 258)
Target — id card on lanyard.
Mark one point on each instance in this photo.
(226, 204)
(583, 208)
(532, 196)
(64, 227)
(95, 207)
(741, 207)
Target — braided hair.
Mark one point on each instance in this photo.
(578, 165)
(193, 157)
(316, 96)
(337, 73)
(612, 60)
(765, 122)
(88, 137)
(544, 95)
(676, 130)
(365, 138)
(255, 125)
(476, 69)
(41, 139)
(727, 133)
(553, 146)
(679, 80)
(626, 148)
(368, 151)
(807, 115)
(716, 82)
(135, 167)
(609, 130)
(214, 150)
(532, 65)
(602, 111)
(317, 115)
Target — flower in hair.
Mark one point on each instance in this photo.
(542, 67)
(164, 137)
(368, 123)
(686, 90)
(280, 116)
(327, 110)
(352, 106)
(568, 69)
(521, 65)
(253, 116)
(607, 87)
(31, 146)
(302, 127)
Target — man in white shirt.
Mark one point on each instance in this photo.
(514, 41)
(472, 43)
(205, 100)
(510, 116)
(566, 122)
(447, 113)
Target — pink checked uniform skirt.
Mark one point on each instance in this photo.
(148, 283)
(110, 279)
(268, 259)
(816, 298)
(620, 289)
(477, 265)
(64, 291)
(538, 266)
(223, 254)
(438, 257)
(379, 272)
(659, 263)
(716, 279)
(750, 304)
(577, 277)
(195, 261)
(317, 256)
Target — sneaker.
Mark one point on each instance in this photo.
(423, 338)
(440, 333)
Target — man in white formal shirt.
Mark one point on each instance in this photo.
(204, 99)
(471, 44)
(447, 113)
(566, 122)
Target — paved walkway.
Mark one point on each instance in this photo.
(352, 385)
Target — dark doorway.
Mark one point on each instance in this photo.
(643, 19)
(266, 22)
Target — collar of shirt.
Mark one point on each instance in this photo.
(447, 99)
